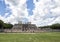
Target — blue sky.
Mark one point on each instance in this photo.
(30, 6)
(2, 7)
(39, 12)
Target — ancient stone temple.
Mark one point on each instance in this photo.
(25, 27)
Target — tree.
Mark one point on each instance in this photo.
(42, 27)
(55, 26)
(10, 26)
(7, 26)
(1, 25)
(4, 26)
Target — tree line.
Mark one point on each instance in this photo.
(5, 25)
(53, 26)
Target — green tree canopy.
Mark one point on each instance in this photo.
(5, 25)
(1, 24)
(55, 26)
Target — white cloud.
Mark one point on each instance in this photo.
(46, 12)
(18, 9)
(56, 11)
(3, 18)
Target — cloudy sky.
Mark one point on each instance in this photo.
(39, 12)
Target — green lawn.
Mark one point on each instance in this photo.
(26, 37)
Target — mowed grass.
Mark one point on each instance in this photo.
(30, 37)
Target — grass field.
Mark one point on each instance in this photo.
(30, 37)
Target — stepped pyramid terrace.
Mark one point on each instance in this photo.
(27, 27)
